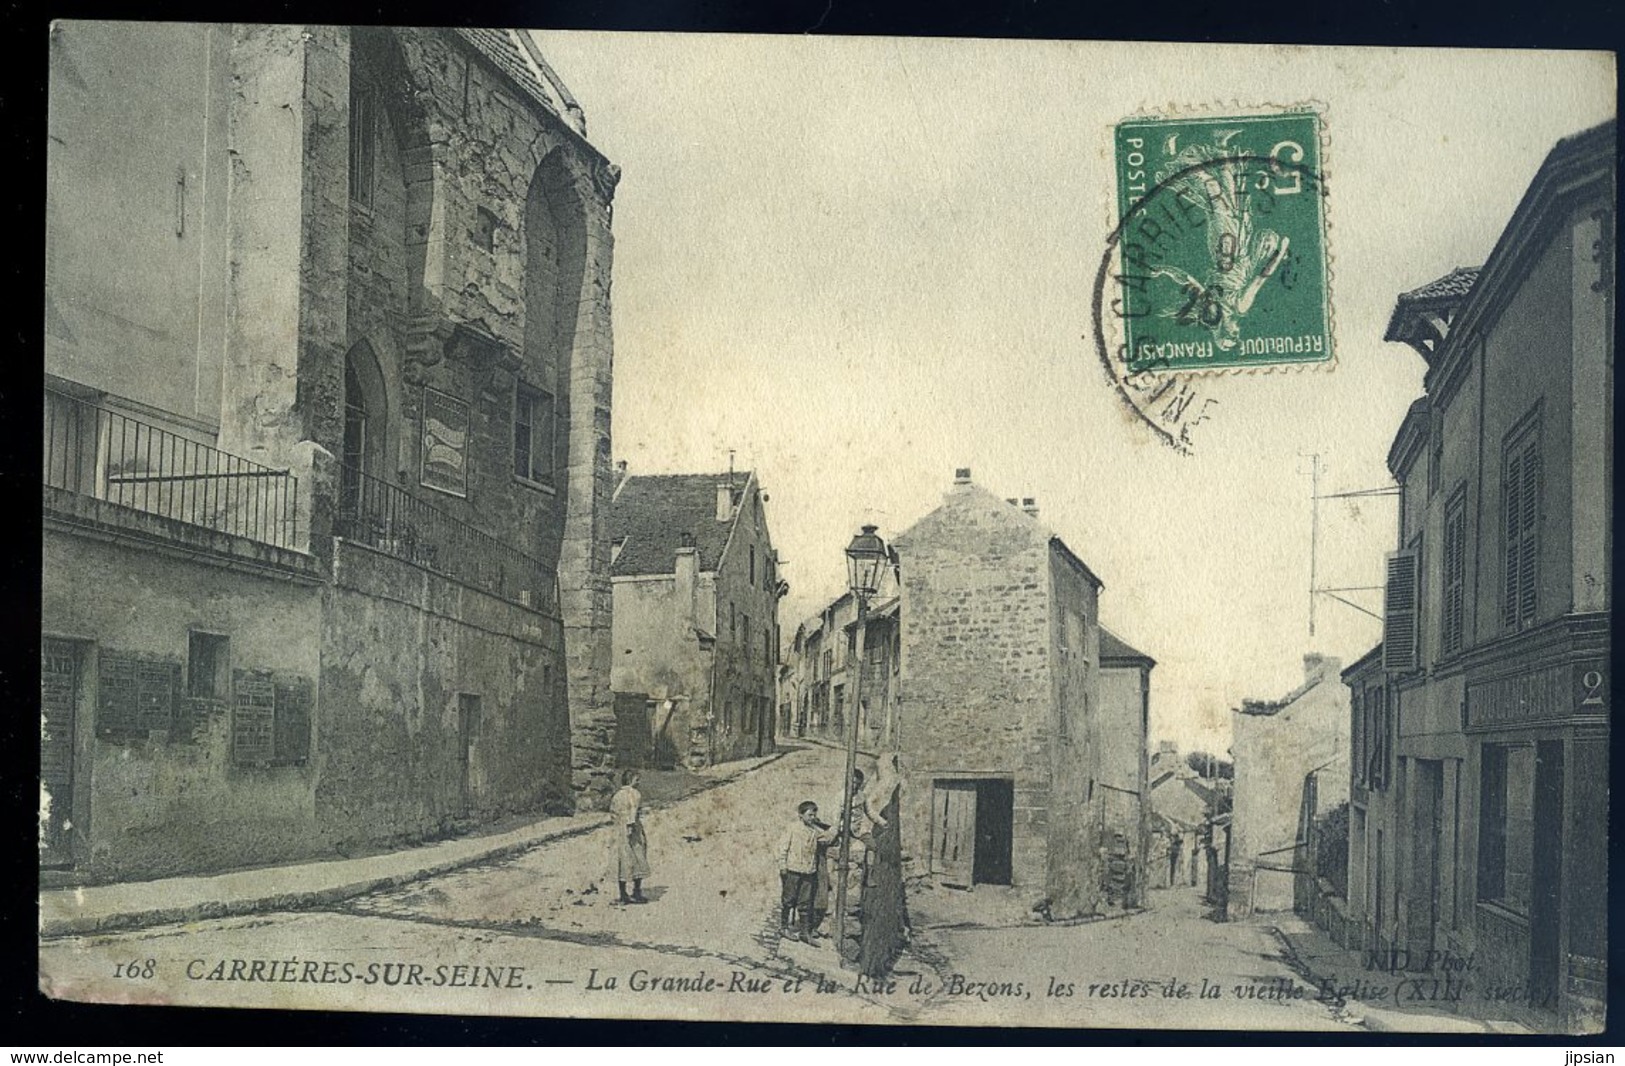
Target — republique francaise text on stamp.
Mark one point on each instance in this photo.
(1222, 246)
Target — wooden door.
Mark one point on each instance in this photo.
(59, 699)
(953, 821)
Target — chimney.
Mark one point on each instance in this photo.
(620, 475)
(1012, 501)
(1317, 666)
(725, 501)
(962, 475)
(1030, 505)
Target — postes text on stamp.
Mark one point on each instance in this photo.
(1222, 245)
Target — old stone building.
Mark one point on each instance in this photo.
(327, 456)
(1124, 723)
(1291, 767)
(820, 683)
(1020, 721)
(999, 714)
(696, 631)
(1480, 752)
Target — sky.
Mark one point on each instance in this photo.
(860, 263)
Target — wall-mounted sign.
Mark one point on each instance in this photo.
(445, 443)
(1559, 691)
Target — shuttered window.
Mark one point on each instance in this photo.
(1399, 613)
(1452, 613)
(1520, 523)
(270, 719)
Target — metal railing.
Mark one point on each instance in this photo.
(389, 519)
(109, 456)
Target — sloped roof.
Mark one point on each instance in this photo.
(967, 494)
(518, 57)
(651, 514)
(1115, 649)
(1453, 286)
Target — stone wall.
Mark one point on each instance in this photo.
(1122, 742)
(976, 689)
(479, 268)
(170, 799)
(1274, 752)
(1077, 862)
(747, 641)
(416, 671)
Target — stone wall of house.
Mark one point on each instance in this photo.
(1077, 855)
(1273, 754)
(387, 654)
(976, 699)
(156, 790)
(1122, 740)
(442, 706)
(482, 268)
(747, 637)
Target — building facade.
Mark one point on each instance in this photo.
(697, 589)
(998, 715)
(1020, 722)
(1485, 734)
(1124, 725)
(1291, 768)
(326, 426)
(820, 687)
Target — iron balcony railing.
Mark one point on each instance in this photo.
(386, 517)
(109, 456)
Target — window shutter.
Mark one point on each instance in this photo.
(1511, 528)
(1399, 614)
(1529, 543)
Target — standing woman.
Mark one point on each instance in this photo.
(630, 844)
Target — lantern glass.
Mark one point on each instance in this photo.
(865, 557)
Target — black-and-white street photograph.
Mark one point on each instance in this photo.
(847, 530)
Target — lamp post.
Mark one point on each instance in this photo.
(865, 558)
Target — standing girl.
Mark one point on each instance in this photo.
(631, 859)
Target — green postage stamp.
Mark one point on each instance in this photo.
(1222, 242)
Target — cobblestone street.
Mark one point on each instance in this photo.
(541, 933)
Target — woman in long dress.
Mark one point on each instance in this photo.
(631, 846)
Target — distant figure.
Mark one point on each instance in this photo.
(800, 852)
(630, 843)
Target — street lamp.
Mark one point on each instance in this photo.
(866, 558)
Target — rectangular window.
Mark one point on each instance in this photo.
(1506, 846)
(1452, 613)
(1378, 736)
(753, 566)
(745, 643)
(363, 132)
(533, 429)
(207, 666)
(1520, 522)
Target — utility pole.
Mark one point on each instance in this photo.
(1314, 533)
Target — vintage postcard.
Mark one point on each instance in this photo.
(863, 530)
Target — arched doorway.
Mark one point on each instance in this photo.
(366, 429)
